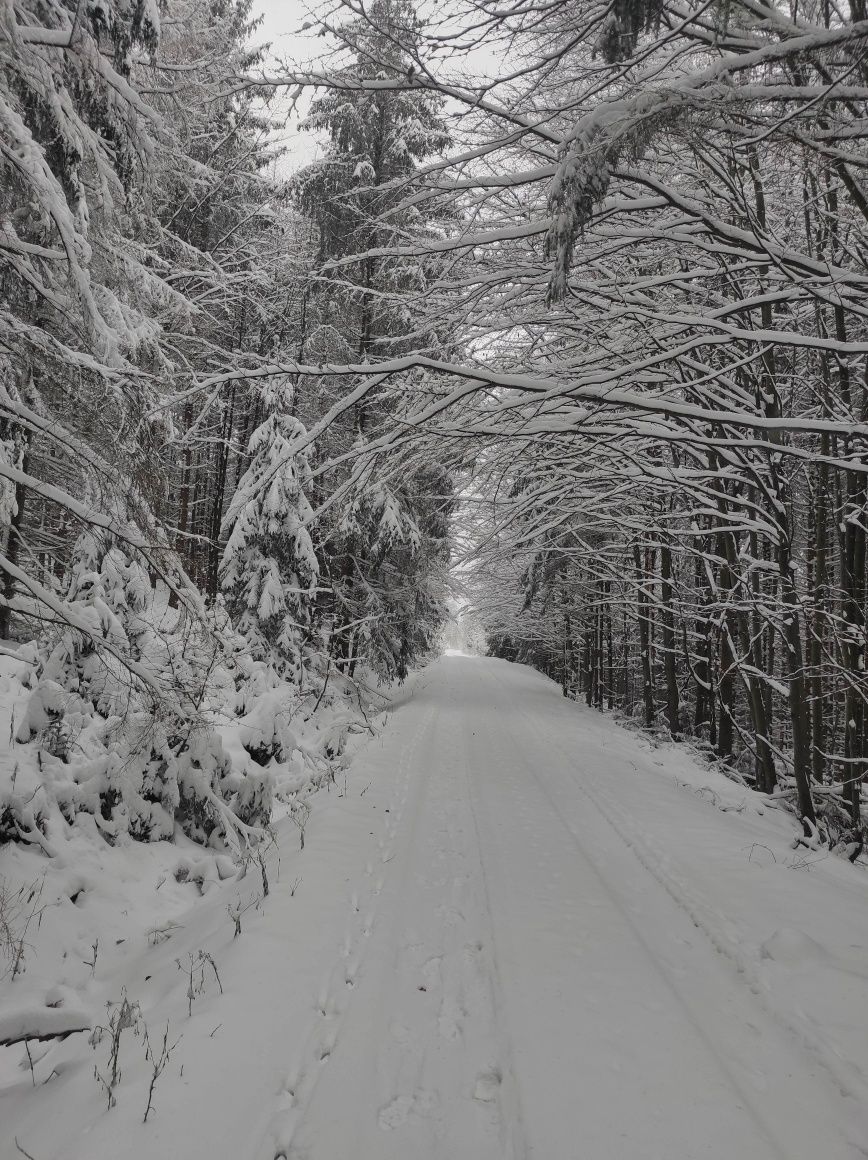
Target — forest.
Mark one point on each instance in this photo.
(433, 580)
(566, 317)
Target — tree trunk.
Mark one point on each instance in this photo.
(643, 614)
(667, 632)
(13, 536)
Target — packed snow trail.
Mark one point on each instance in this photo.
(529, 988)
(517, 932)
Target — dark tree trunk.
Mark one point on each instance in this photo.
(13, 540)
(644, 617)
(667, 633)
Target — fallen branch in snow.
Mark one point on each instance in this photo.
(760, 846)
(804, 862)
(41, 1023)
(25, 655)
(709, 794)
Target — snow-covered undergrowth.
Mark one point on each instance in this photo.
(119, 808)
(834, 831)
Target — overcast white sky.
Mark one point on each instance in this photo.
(282, 21)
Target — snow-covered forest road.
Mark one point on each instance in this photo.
(538, 980)
(517, 931)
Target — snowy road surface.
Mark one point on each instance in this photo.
(519, 932)
(529, 988)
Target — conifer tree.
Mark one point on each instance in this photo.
(269, 568)
(388, 535)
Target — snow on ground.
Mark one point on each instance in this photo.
(516, 930)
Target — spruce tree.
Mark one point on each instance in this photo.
(269, 568)
(390, 538)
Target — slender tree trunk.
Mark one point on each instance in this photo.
(217, 498)
(13, 537)
(610, 650)
(667, 633)
(796, 680)
(726, 674)
(184, 490)
(819, 582)
(643, 614)
(854, 644)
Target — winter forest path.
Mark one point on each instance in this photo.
(517, 931)
(535, 979)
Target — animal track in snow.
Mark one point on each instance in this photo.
(419, 1106)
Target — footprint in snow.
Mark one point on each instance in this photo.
(487, 1085)
(419, 1106)
(398, 1031)
(431, 973)
(449, 1019)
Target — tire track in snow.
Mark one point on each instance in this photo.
(846, 1076)
(443, 1062)
(330, 1006)
(737, 1084)
(421, 1050)
(697, 911)
(510, 1093)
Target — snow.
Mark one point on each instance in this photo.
(517, 929)
(43, 1020)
